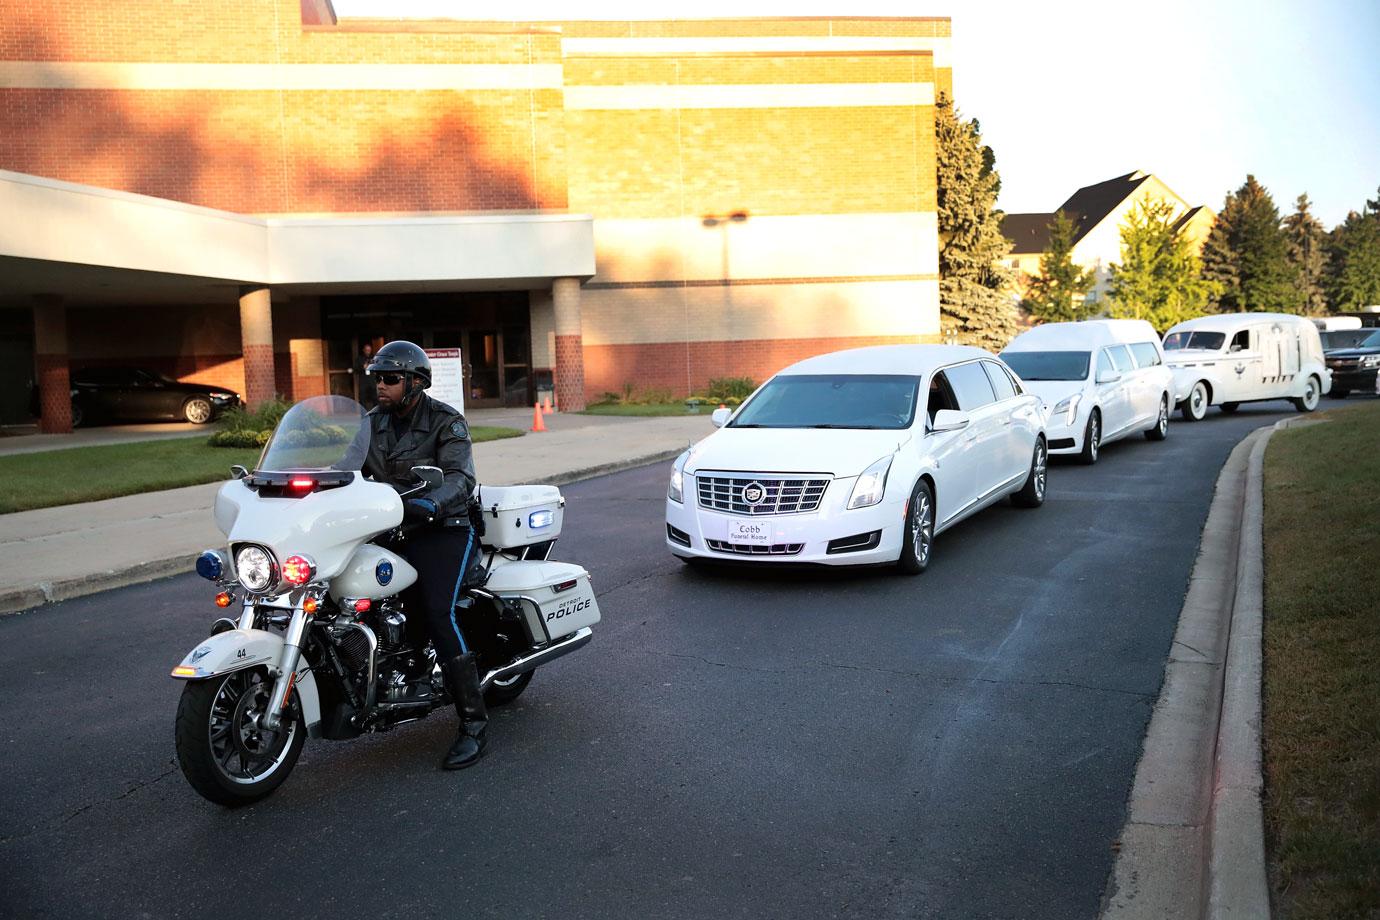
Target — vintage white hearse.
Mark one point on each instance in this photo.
(1100, 380)
(859, 457)
(1231, 358)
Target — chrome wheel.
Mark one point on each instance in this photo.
(197, 411)
(1040, 470)
(242, 750)
(1162, 425)
(922, 528)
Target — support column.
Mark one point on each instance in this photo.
(51, 365)
(570, 357)
(256, 336)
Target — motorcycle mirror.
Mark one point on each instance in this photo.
(431, 475)
(238, 471)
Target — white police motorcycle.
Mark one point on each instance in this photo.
(319, 647)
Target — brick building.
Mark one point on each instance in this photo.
(246, 192)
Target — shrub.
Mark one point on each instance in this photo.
(239, 427)
(242, 438)
(722, 389)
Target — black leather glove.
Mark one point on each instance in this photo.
(419, 511)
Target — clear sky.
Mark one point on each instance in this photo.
(1071, 92)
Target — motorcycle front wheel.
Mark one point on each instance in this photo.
(223, 751)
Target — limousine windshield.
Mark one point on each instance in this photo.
(1207, 341)
(1048, 365)
(832, 401)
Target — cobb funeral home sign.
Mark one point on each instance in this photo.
(447, 377)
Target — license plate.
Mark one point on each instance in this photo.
(754, 533)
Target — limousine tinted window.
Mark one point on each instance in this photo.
(1208, 341)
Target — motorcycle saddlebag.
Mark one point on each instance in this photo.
(517, 516)
(556, 597)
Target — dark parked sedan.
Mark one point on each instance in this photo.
(1354, 367)
(139, 394)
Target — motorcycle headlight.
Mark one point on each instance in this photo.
(871, 485)
(255, 568)
(676, 491)
(1069, 404)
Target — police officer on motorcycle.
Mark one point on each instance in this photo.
(409, 428)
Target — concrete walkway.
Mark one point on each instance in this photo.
(57, 553)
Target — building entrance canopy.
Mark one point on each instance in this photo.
(61, 223)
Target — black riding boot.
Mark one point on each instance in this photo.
(462, 677)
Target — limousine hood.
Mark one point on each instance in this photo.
(840, 452)
(1183, 356)
(1051, 391)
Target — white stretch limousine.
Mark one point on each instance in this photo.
(859, 457)
(1100, 380)
(1232, 358)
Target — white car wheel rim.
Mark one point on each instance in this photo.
(198, 411)
(1040, 472)
(1096, 438)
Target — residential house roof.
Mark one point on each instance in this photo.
(1028, 233)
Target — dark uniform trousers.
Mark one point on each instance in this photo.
(442, 556)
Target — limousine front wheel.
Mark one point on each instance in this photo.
(1196, 406)
(1312, 392)
(918, 541)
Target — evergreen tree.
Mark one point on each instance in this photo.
(1059, 293)
(1308, 255)
(976, 298)
(1247, 254)
(1160, 277)
(1353, 279)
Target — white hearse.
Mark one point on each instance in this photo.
(1099, 380)
(858, 457)
(1231, 358)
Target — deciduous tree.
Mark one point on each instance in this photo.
(1160, 277)
(1059, 294)
(976, 296)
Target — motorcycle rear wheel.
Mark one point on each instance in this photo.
(500, 694)
(223, 754)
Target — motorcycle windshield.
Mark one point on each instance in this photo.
(321, 433)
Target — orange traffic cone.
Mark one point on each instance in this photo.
(537, 423)
(547, 408)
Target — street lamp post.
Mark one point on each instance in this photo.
(722, 221)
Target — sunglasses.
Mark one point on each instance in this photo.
(391, 380)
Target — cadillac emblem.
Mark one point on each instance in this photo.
(753, 493)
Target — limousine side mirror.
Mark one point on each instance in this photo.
(721, 417)
(1108, 376)
(949, 420)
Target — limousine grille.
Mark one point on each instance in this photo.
(779, 495)
(747, 549)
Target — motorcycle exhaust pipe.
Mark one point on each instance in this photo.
(535, 660)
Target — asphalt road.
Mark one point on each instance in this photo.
(732, 744)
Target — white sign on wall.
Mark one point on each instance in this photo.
(447, 377)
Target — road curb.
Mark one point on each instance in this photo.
(32, 598)
(1194, 841)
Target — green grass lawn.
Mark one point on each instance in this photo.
(646, 409)
(1322, 666)
(84, 474)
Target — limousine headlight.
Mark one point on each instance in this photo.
(1068, 404)
(871, 485)
(676, 491)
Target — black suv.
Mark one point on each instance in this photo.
(1354, 365)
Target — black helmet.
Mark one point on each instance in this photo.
(401, 358)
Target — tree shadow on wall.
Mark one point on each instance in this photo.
(251, 151)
